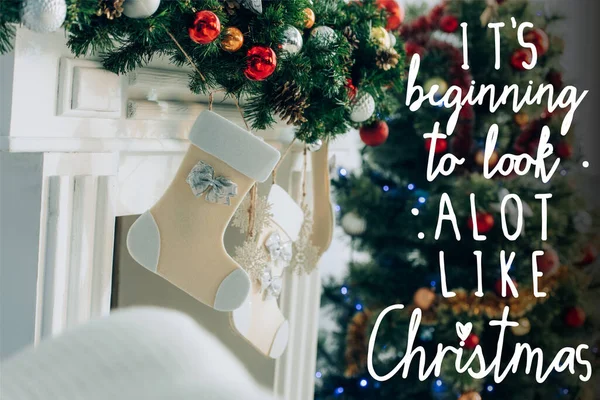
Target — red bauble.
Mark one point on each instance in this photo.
(411, 48)
(206, 28)
(563, 150)
(539, 39)
(395, 11)
(261, 63)
(449, 23)
(472, 341)
(588, 256)
(498, 288)
(519, 57)
(375, 134)
(485, 222)
(575, 317)
(351, 89)
(549, 262)
(441, 145)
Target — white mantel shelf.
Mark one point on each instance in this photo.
(80, 146)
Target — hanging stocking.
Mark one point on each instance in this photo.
(181, 237)
(259, 320)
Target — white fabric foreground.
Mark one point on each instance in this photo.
(137, 353)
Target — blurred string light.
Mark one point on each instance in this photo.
(337, 208)
(358, 307)
(342, 172)
(363, 383)
(490, 388)
(386, 188)
(339, 390)
(344, 290)
(411, 186)
(318, 375)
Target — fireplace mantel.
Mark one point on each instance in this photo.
(81, 146)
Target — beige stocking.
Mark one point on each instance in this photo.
(181, 237)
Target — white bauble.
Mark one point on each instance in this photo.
(362, 108)
(315, 146)
(292, 41)
(140, 8)
(324, 35)
(392, 39)
(353, 225)
(43, 16)
(582, 221)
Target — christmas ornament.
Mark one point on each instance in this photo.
(424, 298)
(437, 81)
(498, 288)
(375, 134)
(253, 5)
(140, 8)
(393, 39)
(523, 328)
(519, 57)
(575, 317)
(309, 18)
(362, 108)
(351, 37)
(306, 255)
(411, 48)
(292, 41)
(582, 221)
(206, 27)
(261, 63)
(480, 158)
(262, 214)
(485, 222)
(289, 103)
(315, 146)
(209, 199)
(353, 224)
(564, 150)
(43, 16)
(252, 257)
(441, 145)
(472, 341)
(470, 396)
(539, 39)
(111, 9)
(380, 36)
(233, 39)
(449, 23)
(323, 35)
(387, 58)
(589, 255)
(351, 89)
(521, 119)
(549, 262)
(395, 13)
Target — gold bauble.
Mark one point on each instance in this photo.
(443, 85)
(233, 39)
(381, 37)
(424, 298)
(521, 119)
(470, 396)
(309, 18)
(480, 158)
(523, 329)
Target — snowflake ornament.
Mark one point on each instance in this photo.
(252, 258)
(262, 215)
(306, 255)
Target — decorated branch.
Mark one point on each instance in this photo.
(323, 67)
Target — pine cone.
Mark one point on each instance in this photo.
(351, 37)
(387, 59)
(290, 104)
(110, 8)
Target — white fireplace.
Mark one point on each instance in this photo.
(81, 148)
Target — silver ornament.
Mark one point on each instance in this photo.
(362, 108)
(353, 224)
(292, 41)
(253, 5)
(323, 35)
(392, 39)
(315, 146)
(43, 16)
(138, 9)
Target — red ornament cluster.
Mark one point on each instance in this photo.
(485, 222)
(395, 13)
(441, 145)
(519, 58)
(449, 23)
(261, 62)
(575, 317)
(471, 342)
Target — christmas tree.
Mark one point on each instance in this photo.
(391, 211)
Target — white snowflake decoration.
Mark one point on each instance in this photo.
(252, 258)
(262, 215)
(306, 255)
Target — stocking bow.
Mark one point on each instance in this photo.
(270, 285)
(218, 189)
(279, 250)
